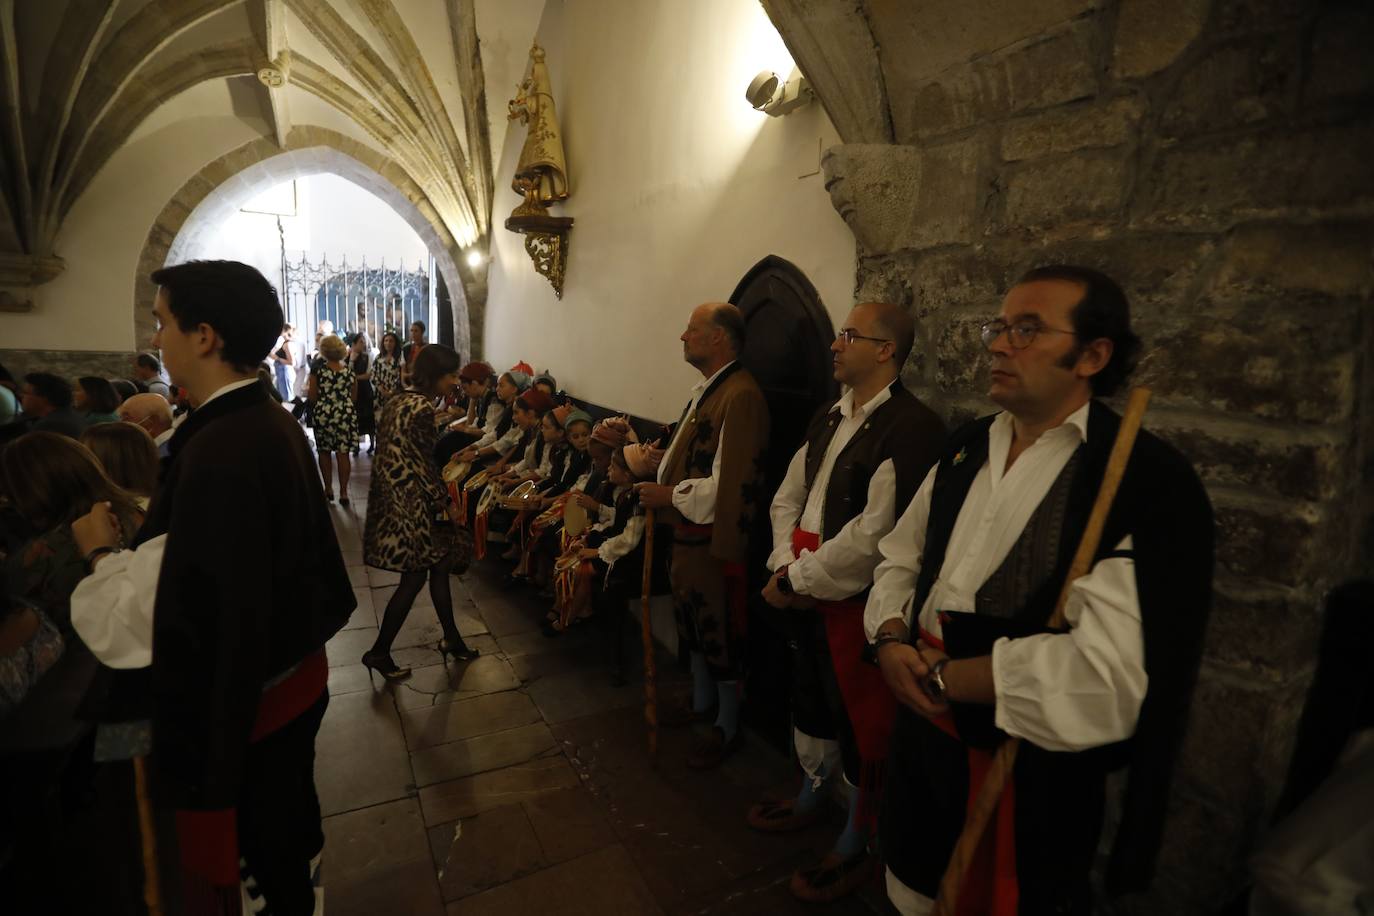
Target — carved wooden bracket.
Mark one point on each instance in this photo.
(546, 242)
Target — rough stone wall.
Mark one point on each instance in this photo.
(70, 364)
(1214, 157)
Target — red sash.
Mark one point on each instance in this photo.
(867, 699)
(990, 887)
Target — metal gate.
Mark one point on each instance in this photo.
(359, 298)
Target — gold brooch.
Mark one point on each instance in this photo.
(962, 454)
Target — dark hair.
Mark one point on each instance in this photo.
(124, 388)
(418, 324)
(230, 297)
(1102, 312)
(101, 396)
(54, 480)
(396, 338)
(54, 389)
(127, 453)
(730, 320)
(895, 323)
(434, 362)
(149, 361)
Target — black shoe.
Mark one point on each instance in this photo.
(463, 653)
(383, 665)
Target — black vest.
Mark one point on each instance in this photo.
(901, 429)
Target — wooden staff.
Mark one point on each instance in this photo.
(646, 626)
(990, 793)
(147, 832)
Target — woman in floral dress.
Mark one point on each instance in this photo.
(386, 369)
(333, 389)
(410, 519)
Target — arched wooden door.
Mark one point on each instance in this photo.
(787, 349)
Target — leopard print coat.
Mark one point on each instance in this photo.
(407, 494)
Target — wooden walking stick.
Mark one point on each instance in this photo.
(999, 772)
(152, 894)
(646, 625)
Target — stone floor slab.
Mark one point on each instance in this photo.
(479, 852)
(482, 715)
(357, 576)
(447, 683)
(347, 646)
(484, 752)
(377, 860)
(579, 693)
(569, 823)
(459, 798)
(348, 679)
(360, 754)
(601, 882)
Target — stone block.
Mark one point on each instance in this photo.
(70, 364)
(1270, 543)
(1295, 263)
(1294, 464)
(1270, 362)
(1243, 82)
(1089, 127)
(1339, 67)
(1156, 271)
(1064, 195)
(1260, 15)
(900, 197)
(1201, 861)
(1265, 633)
(962, 279)
(960, 361)
(1255, 176)
(1152, 34)
(1047, 70)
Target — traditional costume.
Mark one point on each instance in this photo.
(841, 495)
(236, 687)
(981, 555)
(713, 465)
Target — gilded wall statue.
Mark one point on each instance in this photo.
(541, 176)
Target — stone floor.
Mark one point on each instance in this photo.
(520, 782)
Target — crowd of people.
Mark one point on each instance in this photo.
(172, 574)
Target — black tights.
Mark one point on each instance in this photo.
(398, 608)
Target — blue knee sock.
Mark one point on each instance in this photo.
(853, 840)
(728, 717)
(703, 688)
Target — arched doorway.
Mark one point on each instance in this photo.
(787, 348)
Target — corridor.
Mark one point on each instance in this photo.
(520, 782)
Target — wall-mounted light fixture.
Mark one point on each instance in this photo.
(474, 259)
(770, 95)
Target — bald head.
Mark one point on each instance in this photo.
(150, 411)
(893, 322)
(714, 336)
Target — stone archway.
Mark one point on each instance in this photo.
(224, 184)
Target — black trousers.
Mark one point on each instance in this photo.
(817, 704)
(279, 813)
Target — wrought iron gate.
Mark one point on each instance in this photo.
(358, 297)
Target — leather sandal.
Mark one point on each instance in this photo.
(833, 878)
(782, 816)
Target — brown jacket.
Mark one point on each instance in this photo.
(734, 401)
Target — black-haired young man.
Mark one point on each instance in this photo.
(148, 370)
(960, 602)
(229, 614)
(47, 398)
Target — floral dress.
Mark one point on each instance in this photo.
(386, 376)
(406, 528)
(334, 418)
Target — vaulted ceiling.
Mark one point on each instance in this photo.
(80, 76)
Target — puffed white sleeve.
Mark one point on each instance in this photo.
(786, 509)
(112, 608)
(894, 580)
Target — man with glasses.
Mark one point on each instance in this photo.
(968, 580)
(862, 460)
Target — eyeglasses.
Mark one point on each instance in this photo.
(1021, 334)
(849, 335)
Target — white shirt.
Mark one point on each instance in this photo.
(502, 444)
(112, 608)
(842, 566)
(695, 497)
(1062, 692)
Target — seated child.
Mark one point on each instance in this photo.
(500, 439)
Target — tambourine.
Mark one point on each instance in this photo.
(485, 503)
(455, 471)
(519, 497)
(477, 480)
(575, 519)
(568, 561)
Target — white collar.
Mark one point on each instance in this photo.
(232, 386)
(846, 404)
(705, 383)
(1076, 422)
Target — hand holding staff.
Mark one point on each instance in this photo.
(1005, 760)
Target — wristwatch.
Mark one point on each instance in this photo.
(935, 682)
(784, 583)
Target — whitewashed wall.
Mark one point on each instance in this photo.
(678, 188)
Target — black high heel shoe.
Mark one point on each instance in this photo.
(466, 654)
(383, 665)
